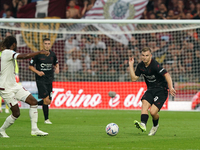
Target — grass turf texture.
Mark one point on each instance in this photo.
(85, 129)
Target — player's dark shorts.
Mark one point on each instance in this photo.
(156, 96)
(44, 89)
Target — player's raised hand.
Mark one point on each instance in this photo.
(44, 52)
(131, 61)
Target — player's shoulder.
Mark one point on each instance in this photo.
(154, 62)
(7, 51)
(156, 65)
(52, 52)
(141, 64)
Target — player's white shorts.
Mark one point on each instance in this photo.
(14, 94)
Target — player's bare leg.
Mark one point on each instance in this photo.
(46, 100)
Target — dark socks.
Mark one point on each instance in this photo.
(155, 122)
(46, 111)
(40, 102)
(144, 118)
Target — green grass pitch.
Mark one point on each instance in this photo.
(77, 129)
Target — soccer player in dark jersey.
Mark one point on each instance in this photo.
(44, 69)
(158, 83)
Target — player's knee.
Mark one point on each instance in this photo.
(31, 100)
(47, 101)
(153, 113)
(34, 102)
(16, 114)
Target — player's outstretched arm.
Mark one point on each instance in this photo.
(170, 85)
(30, 55)
(39, 73)
(132, 72)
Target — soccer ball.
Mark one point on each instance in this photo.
(112, 129)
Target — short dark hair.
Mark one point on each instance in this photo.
(145, 49)
(46, 39)
(8, 42)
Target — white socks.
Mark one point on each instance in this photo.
(8, 122)
(33, 113)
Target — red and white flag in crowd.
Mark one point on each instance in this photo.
(117, 9)
(41, 9)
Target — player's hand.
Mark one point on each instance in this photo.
(57, 70)
(172, 91)
(40, 73)
(85, 3)
(131, 61)
(44, 52)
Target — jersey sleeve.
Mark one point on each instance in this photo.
(32, 61)
(15, 55)
(11, 55)
(137, 71)
(160, 69)
(55, 60)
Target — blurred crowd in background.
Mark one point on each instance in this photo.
(75, 9)
(99, 58)
(172, 9)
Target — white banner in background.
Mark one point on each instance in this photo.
(117, 9)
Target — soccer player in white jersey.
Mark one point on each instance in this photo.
(12, 92)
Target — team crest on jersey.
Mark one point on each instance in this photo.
(118, 9)
(34, 40)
